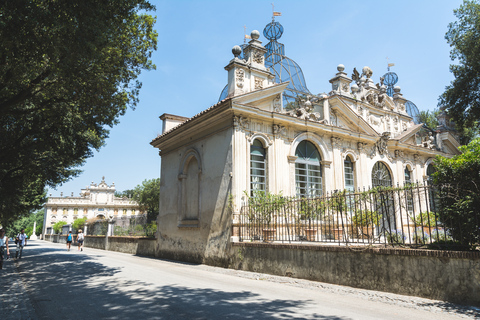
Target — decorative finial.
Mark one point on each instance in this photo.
(255, 34)
(236, 50)
(340, 68)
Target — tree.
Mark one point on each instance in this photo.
(57, 227)
(458, 181)
(462, 97)
(429, 118)
(147, 195)
(68, 71)
(78, 224)
(27, 222)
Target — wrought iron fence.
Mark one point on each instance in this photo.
(138, 226)
(401, 216)
(99, 227)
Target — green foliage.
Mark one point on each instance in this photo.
(440, 235)
(147, 195)
(395, 237)
(366, 218)
(311, 209)
(13, 228)
(426, 219)
(429, 118)
(264, 205)
(462, 95)
(78, 224)
(151, 229)
(68, 71)
(420, 236)
(57, 227)
(459, 193)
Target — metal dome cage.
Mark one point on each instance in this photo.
(284, 68)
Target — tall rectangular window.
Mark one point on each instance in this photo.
(258, 167)
(349, 177)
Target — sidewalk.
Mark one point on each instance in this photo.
(14, 300)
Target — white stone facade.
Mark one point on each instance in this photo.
(207, 160)
(96, 200)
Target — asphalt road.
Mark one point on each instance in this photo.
(97, 284)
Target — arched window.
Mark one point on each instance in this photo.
(381, 175)
(430, 171)
(258, 167)
(308, 170)
(408, 176)
(349, 177)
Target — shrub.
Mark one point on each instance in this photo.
(426, 219)
(396, 237)
(440, 235)
(420, 237)
(78, 224)
(57, 227)
(364, 218)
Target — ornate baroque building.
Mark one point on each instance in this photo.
(268, 132)
(94, 201)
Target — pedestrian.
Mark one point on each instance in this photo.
(80, 238)
(3, 245)
(69, 240)
(21, 242)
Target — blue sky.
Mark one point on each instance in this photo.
(194, 45)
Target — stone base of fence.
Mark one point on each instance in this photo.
(442, 275)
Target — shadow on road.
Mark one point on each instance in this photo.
(77, 286)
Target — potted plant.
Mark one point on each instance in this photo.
(335, 211)
(265, 206)
(427, 220)
(310, 210)
(364, 223)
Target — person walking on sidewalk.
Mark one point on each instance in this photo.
(69, 240)
(3, 245)
(21, 242)
(80, 238)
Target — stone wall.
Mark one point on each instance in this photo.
(441, 275)
(97, 242)
(132, 245)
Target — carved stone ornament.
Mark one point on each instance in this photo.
(416, 157)
(258, 83)
(399, 154)
(381, 145)
(346, 87)
(376, 100)
(240, 75)
(428, 142)
(362, 146)
(240, 122)
(258, 57)
(277, 103)
(336, 142)
(305, 112)
(279, 130)
(360, 110)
